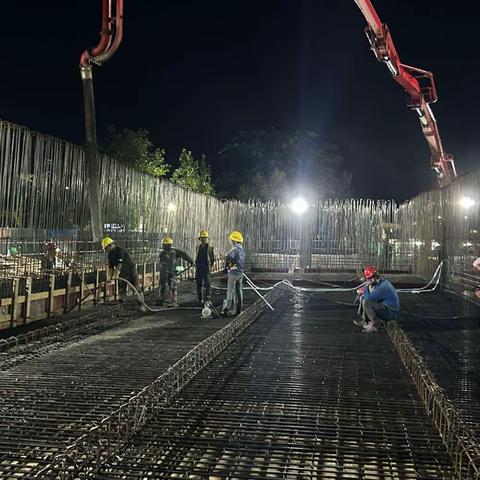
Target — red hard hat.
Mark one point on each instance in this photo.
(51, 246)
(369, 272)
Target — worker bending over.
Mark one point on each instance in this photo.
(234, 267)
(204, 260)
(121, 265)
(169, 267)
(378, 301)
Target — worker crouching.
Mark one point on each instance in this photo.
(121, 266)
(378, 301)
(169, 258)
(234, 267)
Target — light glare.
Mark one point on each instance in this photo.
(299, 205)
(467, 202)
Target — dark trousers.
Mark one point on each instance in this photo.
(167, 280)
(132, 276)
(375, 311)
(203, 280)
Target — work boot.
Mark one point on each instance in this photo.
(370, 328)
(360, 322)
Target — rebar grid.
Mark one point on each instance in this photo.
(458, 437)
(19, 348)
(107, 438)
(51, 400)
(302, 394)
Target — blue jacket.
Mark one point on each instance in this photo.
(236, 257)
(384, 293)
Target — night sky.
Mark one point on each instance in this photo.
(196, 72)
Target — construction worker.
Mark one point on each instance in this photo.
(121, 265)
(234, 267)
(204, 260)
(50, 261)
(169, 267)
(378, 301)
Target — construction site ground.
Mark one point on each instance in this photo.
(302, 394)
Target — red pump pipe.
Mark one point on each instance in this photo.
(110, 38)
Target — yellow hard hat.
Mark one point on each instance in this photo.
(167, 241)
(203, 234)
(236, 237)
(106, 242)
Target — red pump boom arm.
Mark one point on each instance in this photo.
(419, 86)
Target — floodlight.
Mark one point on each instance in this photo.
(467, 202)
(299, 205)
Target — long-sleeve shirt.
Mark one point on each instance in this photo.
(169, 260)
(118, 257)
(385, 293)
(236, 258)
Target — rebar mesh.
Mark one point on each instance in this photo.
(107, 438)
(301, 395)
(448, 220)
(56, 387)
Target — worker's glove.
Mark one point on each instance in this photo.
(361, 291)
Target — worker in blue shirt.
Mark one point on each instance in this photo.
(234, 266)
(378, 301)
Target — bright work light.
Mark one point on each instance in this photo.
(299, 205)
(467, 202)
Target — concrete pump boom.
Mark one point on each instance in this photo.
(419, 86)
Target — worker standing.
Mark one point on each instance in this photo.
(121, 265)
(378, 301)
(168, 259)
(204, 260)
(50, 261)
(234, 267)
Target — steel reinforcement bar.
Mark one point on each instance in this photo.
(457, 436)
(18, 348)
(106, 439)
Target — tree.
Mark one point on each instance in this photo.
(193, 174)
(263, 187)
(135, 149)
(271, 165)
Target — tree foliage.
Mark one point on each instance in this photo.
(193, 174)
(271, 165)
(135, 149)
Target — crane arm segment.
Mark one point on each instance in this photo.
(419, 86)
